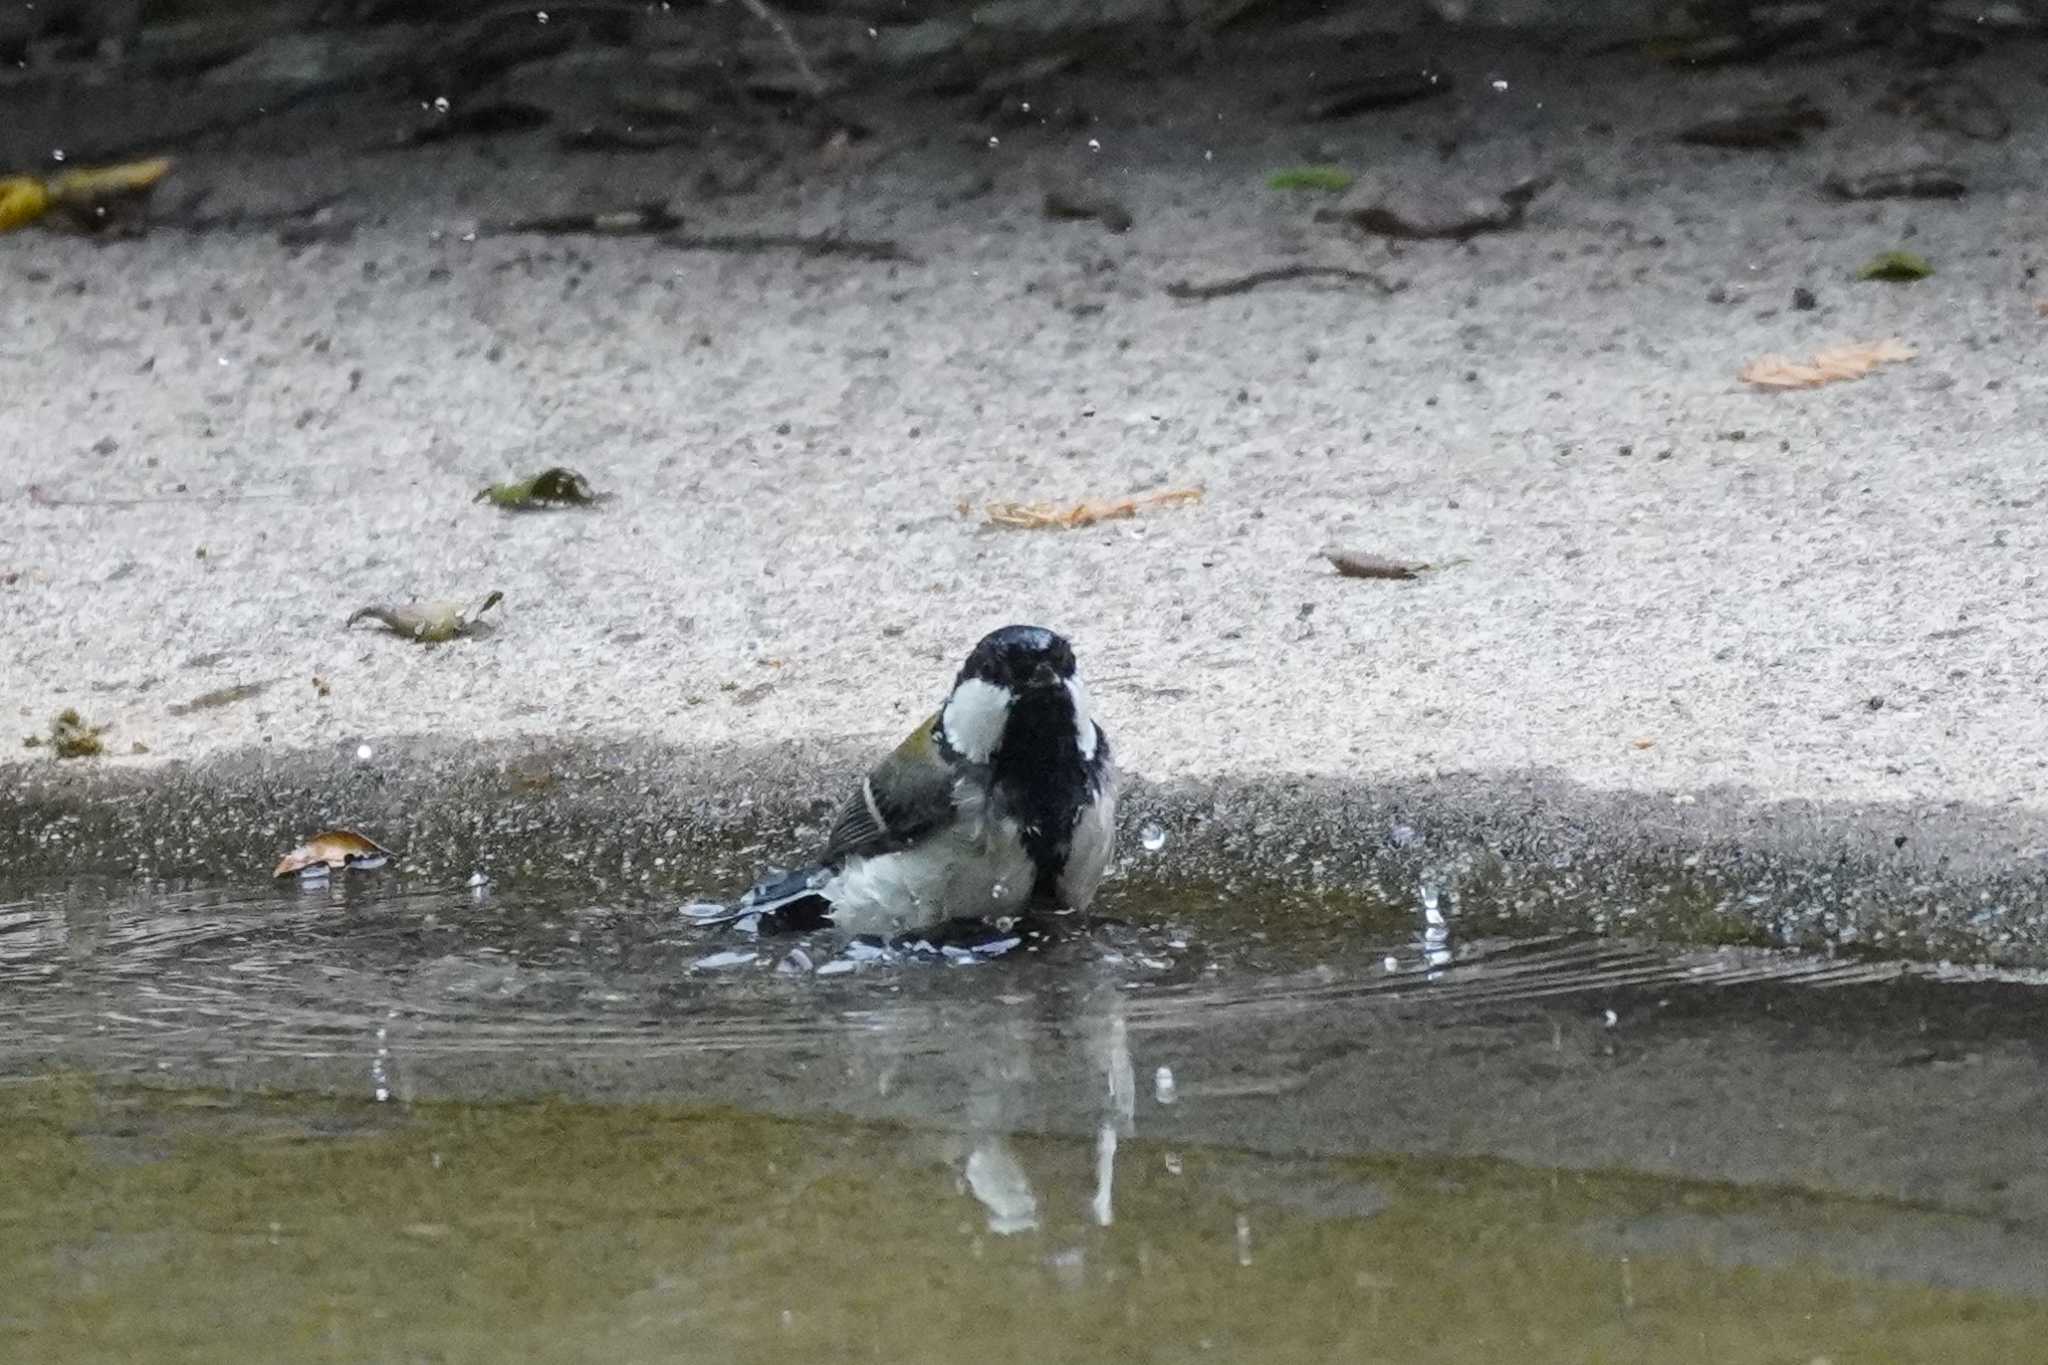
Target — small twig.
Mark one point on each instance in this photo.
(863, 249)
(759, 9)
(1244, 284)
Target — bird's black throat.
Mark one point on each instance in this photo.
(1043, 781)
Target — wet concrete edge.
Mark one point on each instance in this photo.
(1516, 850)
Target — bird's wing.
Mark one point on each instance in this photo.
(907, 796)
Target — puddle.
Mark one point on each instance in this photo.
(387, 1119)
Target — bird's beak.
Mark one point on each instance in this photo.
(1043, 678)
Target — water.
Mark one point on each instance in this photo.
(378, 1119)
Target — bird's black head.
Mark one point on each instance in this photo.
(1019, 707)
(1020, 659)
(1017, 692)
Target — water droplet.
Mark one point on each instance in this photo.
(1500, 85)
(1153, 838)
(994, 141)
(56, 154)
(363, 752)
(440, 104)
(1163, 1088)
(1094, 145)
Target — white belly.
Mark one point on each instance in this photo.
(966, 874)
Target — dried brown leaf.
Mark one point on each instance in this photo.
(1852, 360)
(1040, 516)
(334, 849)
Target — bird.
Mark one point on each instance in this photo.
(1001, 805)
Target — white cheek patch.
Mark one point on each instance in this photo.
(1084, 719)
(974, 718)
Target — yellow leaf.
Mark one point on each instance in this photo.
(89, 183)
(23, 199)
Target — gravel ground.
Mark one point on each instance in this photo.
(1656, 580)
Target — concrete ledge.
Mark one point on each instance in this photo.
(1518, 852)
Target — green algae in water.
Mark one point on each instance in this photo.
(1896, 267)
(196, 1226)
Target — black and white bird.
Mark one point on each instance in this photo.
(1002, 803)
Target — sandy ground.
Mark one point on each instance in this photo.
(1658, 580)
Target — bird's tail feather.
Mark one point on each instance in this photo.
(779, 902)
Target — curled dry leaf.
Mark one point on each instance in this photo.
(1356, 564)
(1040, 516)
(333, 850)
(557, 487)
(1850, 361)
(430, 623)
